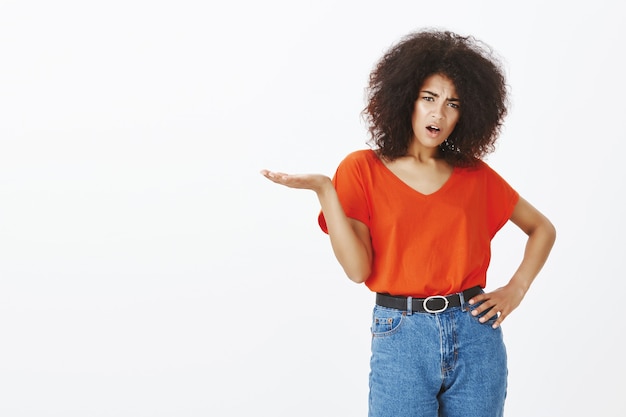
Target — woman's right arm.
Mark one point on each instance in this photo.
(350, 238)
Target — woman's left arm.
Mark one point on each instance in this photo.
(541, 236)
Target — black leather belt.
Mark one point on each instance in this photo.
(432, 304)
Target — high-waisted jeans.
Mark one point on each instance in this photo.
(444, 364)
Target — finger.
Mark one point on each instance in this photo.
(486, 305)
(277, 177)
(499, 321)
(488, 315)
(478, 298)
(272, 174)
(268, 174)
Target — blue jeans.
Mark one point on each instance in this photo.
(444, 364)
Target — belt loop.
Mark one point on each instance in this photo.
(462, 301)
(409, 305)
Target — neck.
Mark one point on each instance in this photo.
(423, 154)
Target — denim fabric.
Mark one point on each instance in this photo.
(436, 365)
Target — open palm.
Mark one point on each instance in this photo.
(313, 182)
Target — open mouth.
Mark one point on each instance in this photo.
(432, 128)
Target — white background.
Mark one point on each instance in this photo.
(147, 269)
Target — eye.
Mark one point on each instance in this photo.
(454, 105)
(428, 98)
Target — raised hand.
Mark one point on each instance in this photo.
(315, 182)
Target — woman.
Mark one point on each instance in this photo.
(413, 219)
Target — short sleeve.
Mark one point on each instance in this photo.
(350, 180)
(501, 200)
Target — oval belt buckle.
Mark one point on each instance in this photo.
(427, 299)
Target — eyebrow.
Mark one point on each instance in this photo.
(437, 95)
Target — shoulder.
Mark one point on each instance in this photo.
(491, 173)
(361, 158)
(483, 173)
(361, 155)
(479, 169)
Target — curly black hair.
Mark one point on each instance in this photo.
(396, 79)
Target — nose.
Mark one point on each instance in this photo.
(437, 114)
(437, 111)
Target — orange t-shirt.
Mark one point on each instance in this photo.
(424, 245)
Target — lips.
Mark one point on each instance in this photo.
(433, 130)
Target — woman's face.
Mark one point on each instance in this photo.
(436, 111)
